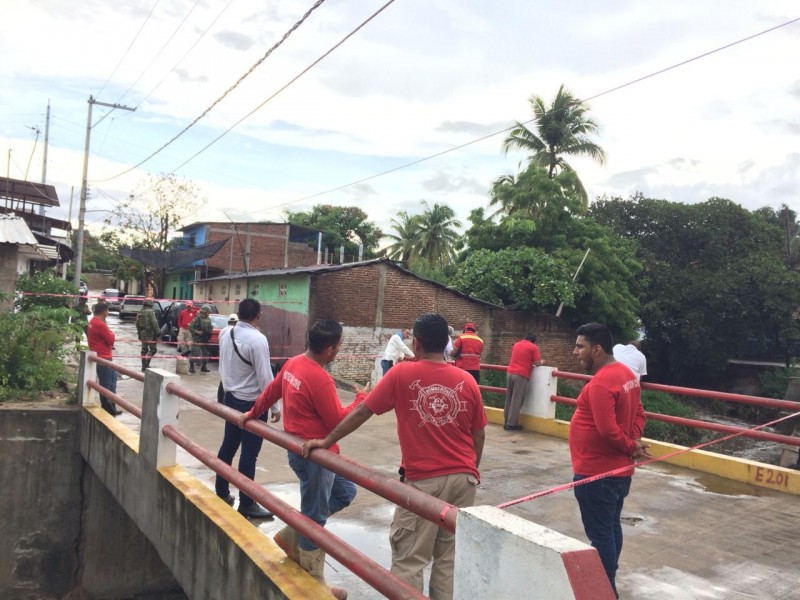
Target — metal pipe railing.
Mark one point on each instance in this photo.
(433, 509)
(137, 375)
(759, 435)
(361, 565)
(118, 400)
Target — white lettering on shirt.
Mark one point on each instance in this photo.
(437, 404)
(291, 379)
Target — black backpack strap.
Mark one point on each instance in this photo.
(236, 349)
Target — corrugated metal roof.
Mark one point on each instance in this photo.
(14, 230)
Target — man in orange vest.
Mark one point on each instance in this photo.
(467, 350)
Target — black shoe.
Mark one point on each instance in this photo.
(191, 369)
(512, 427)
(227, 499)
(204, 369)
(112, 409)
(255, 511)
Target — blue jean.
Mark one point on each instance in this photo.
(107, 377)
(386, 365)
(233, 438)
(601, 503)
(322, 492)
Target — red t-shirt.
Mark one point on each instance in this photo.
(523, 356)
(100, 338)
(438, 407)
(471, 347)
(311, 408)
(185, 317)
(608, 419)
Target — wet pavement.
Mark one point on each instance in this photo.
(688, 535)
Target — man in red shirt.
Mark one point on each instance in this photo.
(604, 435)
(101, 340)
(185, 317)
(524, 356)
(440, 426)
(311, 410)
(467, 350)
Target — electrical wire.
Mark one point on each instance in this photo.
(228, 91)
(133, 41)
(496, 133)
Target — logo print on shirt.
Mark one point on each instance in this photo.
(437, 404)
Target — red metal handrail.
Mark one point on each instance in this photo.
(490, 367)
(698, 393)
(492, 388)
(433, 509)
(118, 400)
(364, 567)
(759, 435)
(137, 375)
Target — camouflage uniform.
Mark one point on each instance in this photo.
(200, 328)
(148, 329)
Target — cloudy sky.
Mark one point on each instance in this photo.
(421, 78)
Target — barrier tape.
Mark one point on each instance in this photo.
(121, 298)
(621, 470)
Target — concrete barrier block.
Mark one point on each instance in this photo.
(504, 557)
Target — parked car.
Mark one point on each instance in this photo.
(112, 297)
(130, 306)
(220, 322)
(169, 317)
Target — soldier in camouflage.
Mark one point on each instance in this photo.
(200, 328)
(148, 330)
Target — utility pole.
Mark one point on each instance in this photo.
(82, 209)
(44, 158)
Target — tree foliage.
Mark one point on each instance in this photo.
(341, 226)
(404, 237)
(715, 283)
(437, 238)
(562, 129)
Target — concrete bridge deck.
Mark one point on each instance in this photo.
(688, 535)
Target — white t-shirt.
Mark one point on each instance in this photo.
(630, 356)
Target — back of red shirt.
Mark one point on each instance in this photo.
(523, 355)
(100, 338)
(438, 407)
(471, 348)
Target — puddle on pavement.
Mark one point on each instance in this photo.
(725, 487)
(632, 521)
(522, 451)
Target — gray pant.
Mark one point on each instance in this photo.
(516, 390)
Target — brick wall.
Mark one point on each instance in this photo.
(264, 243)
(353, 297)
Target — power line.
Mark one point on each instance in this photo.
(192, 47)
(133, 41)
(228, 91)
(496, 133)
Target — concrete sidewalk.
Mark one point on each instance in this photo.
(688, 535)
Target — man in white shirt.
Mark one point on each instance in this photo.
(396, 349)
(631, 356)
(245, 371)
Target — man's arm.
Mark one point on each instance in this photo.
(401, 345)
(478, 438)
(263, 369)
(267, 398)
(347, 426)
(456, 348)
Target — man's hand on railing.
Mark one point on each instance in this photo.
(309, 445)
(244, 417)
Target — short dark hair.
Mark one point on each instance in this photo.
(531, 337)
(248, 309)
(100, 308)
(323, 334)
(430, 330)
(597, 334)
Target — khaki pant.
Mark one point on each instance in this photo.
(184, 341)
(516, 390)
(416, 541)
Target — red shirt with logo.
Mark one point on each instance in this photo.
(438, 407)
(471, 347)
(186, 316)
(523, 356)
(608, 419)
(100, 338)
(311, 407)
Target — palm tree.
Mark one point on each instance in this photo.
(562, 129)
(437, 238)
(406, 228)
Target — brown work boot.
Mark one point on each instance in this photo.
(313, 561)
(286, 539)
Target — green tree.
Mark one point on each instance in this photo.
(714, 284)
(562, 129)
(404, 238)
(437, 238)
(341, 226)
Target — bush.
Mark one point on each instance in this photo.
(667, 404)
(37, 339)
(496, 379)
(775, 383)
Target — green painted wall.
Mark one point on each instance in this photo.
(177, 285)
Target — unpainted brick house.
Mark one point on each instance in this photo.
(373, 299)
